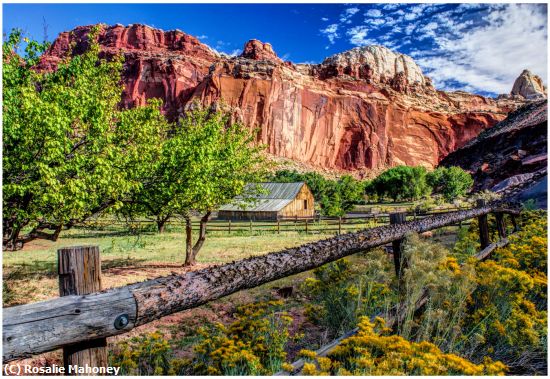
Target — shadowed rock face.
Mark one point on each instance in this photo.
(511, 157)
(361, 110)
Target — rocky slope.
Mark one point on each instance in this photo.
(510, 158)
(362, 110)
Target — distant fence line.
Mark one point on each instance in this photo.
(309, 225)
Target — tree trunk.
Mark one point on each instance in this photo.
(189, 257)
(161, 223)
(191, 250)
(202, 233)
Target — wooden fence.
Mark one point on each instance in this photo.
(80, 321)
(307, 225)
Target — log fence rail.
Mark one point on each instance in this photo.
(84, 319)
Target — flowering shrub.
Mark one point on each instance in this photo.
(148, 354)
(448, 285)
(252, 345)
(339, 296)
(507, 311)
(374, 352)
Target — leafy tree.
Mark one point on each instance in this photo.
(451, 182)
(205, 162)
(69, 152)
(402, 183)
(336, 197)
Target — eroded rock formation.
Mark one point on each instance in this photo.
(362, 110)
(512, 156)
(529, 86)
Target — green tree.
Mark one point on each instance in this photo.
(69, 152)
(402, 183)
(451, 182)
(336, 197)
(205, 162)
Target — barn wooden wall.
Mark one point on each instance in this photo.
(297, 208)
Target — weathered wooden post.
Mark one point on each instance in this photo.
(339, 225)
(229, 224)
(306, 225)
(514, 223)
(501, 226)
(250, 226)
(483, 226)
(79, 270)
(278, 227)
(397, 218)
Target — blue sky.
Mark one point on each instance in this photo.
(475, 47)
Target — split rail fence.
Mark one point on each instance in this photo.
(84, 316)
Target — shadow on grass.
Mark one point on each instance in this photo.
(48, 269)
(110, 233)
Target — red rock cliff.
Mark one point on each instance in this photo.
(361, 110)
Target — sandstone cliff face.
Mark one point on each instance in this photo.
(362, 110)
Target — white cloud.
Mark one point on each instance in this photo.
(235, 52)
(202, 37)
(427, 31)
(490, 57)
(376, 21)
(373, 13)
(351, 11)
(410, 28)
(324, 19)
(358, 36)
(331, 32)
(348, 14)
(390, 7)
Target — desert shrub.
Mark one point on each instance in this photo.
(148, 354)
(339, 296)
(252, 345)
(507, 311)
(486, 195)
(431, 269)
(373, 351)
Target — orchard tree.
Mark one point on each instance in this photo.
(402, 183)
(451, 182)
(206, 161)
(69, 151)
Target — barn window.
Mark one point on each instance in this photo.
(305, 204)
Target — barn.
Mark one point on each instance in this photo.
(278, 200)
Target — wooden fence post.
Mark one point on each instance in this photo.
(250, 225)
(339, 225)
(79, 270)
(514, 223)
(397, 218)
(501, 226)
(229, 226)
(278, 227)
(306, 225)
(483, 227)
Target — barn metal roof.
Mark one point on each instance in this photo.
(276, 197)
